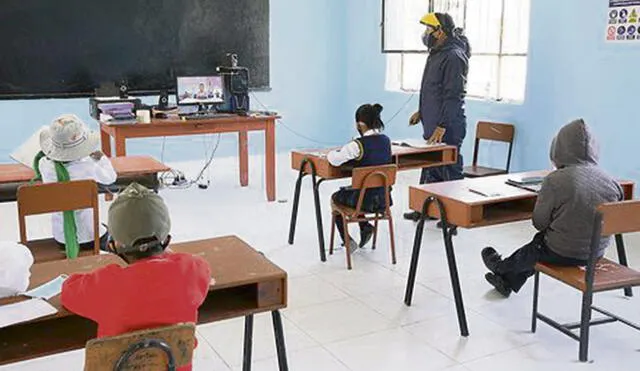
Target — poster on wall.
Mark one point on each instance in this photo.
(624, 21)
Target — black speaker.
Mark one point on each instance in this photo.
(123, 89)
(163, 100)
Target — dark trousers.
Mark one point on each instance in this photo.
(442, 173)
(104, 239)
(349, 197)
(518, 267)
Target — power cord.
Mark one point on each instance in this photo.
(176, 179)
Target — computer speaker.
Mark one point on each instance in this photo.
(163, 100)
(123, 89)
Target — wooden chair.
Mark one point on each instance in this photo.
(600, 275)
(165, 348)
(495, 132)
(365, 178)
(35, 199)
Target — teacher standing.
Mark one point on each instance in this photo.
(442, 93)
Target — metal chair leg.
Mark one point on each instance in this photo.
(622, 258)
(281, 349)
(248, 343)
(534, 313)
(585, 322)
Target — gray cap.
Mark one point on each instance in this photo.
(138, 213)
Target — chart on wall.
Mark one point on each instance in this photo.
(624, 21)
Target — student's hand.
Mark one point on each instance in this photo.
(97, 155)
(415, 118)
(436, 137)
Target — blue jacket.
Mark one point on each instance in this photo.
(444, 88)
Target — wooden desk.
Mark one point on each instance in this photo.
(315, 163)
(246, 283)
(143, 169)
(456, 206)
(175, 126)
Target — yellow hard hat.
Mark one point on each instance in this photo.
(430, 19)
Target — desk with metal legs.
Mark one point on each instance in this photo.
(315, 163)
(456, 206)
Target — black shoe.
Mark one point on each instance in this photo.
(353, 246)
(415, 216)
(365, 235)
(491, 259)
(499, 284)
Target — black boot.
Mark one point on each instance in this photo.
(366, 232)
(499, 284)
(491, 259)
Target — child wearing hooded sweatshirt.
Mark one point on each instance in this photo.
(563, 214)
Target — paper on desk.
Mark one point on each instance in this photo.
(24, 311)
(28, 150)
(485, 191)
(49, 289)
(416, 143)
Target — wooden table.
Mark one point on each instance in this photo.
(175, 126)
(246, 283)
(314, 162)
(143, 169)
(456, 206)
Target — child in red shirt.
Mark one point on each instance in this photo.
(156, 289)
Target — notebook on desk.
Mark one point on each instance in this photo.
(530, 183)
(416, 143)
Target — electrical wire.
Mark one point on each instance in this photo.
(176, 179)
(282, 123)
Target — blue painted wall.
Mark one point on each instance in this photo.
(307, 59)
(572, 73)
(326, 60)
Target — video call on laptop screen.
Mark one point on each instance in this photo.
(200, 90)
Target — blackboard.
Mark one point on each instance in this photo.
(67, 48)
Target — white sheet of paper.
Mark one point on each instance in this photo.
(49, 289)
(28, 150)
(24, 311)
(415, 143)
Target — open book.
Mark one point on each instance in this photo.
(28, 150)
(415, 143)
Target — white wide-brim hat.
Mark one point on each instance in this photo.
(68, 139)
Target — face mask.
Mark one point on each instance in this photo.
(429, 40)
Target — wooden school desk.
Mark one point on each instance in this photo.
(456, 206)
(142, 169)
(174, 126)
(315, 163)
(246, 283)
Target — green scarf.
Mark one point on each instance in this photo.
(71, 245)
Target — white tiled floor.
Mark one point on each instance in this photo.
(341, 320)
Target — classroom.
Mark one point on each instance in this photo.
(319, 185)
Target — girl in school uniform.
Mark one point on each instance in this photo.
(68, 152)
(372, 148)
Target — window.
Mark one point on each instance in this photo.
(498, 31)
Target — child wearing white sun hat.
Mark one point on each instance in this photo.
(68, 152)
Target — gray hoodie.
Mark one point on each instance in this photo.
(566, 203)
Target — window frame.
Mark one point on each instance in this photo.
(499, 55)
